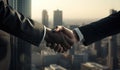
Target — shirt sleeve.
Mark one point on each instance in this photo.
(79, 34)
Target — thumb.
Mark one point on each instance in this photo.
(59, 29)
(64, 30)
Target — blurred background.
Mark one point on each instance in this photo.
(101, 55)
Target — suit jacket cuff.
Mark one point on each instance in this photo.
(80, 35)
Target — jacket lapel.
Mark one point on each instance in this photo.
(5, 1)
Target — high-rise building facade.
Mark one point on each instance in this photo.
(45, 18)
(21, 50)
(22, 6)
(98, 48)
(93, 66)
(118, 39)
(58, 18)
(114, 47)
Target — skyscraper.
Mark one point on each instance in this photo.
(114, 46)
(22, 6)
(58, 18)
(98, 48)
(21, 50)
(118, 44)
(118, 39)
(45, 18)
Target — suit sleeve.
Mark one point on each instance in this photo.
(100, 29)
(15, 23)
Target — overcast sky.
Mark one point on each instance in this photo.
(75, 9)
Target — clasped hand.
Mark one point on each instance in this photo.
(60, 39)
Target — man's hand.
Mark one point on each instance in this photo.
(68, 33)
(57, 41)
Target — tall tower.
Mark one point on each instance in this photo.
(21, 50)
(114, 46)
(58, 18)
(98, 48)
(109, 57)
(24, 6)
(45, 18)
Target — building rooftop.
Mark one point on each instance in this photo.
(93, 65)
(57, 67)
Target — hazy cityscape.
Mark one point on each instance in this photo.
(101, 55)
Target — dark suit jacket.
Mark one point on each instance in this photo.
(101, 29)
(15, 23)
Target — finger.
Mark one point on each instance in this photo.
(59, 28)
(68, 32)
(65, 30)
(64, 48)
(54, 45)
(51, 46)
(58, 48)
(61, 49)
(63, 42)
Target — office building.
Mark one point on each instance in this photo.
(93, 66)
(21, 50)
(118, 44)
(104, 47)
(55, 67)
(45, 18)
(22, 6)
(114, 52)
(78, 60)
(66, 61)
(58, 18)
(118, 40)
(98, 48)
(114, 47)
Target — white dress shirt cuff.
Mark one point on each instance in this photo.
(43, 35)
(79, 33)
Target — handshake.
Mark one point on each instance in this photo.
(60, 39)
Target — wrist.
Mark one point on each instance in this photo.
(75, 36)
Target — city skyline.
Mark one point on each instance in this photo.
(75, 9)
